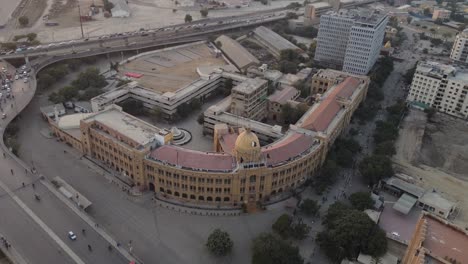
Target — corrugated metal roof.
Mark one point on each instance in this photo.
(240, 56)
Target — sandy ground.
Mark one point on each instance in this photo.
(7, 7)
(436, 154)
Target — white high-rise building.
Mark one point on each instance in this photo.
(440, 86)
(459, 52)
(350, 39)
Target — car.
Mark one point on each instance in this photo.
(395, 234)
(71, 236)
(25, 80)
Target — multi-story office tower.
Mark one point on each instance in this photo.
(442, 87)
(350, 39)
(460, 48)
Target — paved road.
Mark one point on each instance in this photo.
(23, 216)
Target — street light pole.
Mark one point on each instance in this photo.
(81, 23)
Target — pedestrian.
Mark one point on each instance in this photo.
(11, 171)
(23, 184)
(33, 185)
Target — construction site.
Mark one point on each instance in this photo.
(434, 153)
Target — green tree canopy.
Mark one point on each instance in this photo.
(350, 232)
(188, 18)
(282, 225)
(268, 248)
(204, 12)
(361, 201)
(374, 168)
(23, 20)
(386, 148)
(309, 207)
(219, 243)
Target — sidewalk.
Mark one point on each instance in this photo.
(11, 253)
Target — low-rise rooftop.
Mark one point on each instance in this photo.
(273, 39)
(192, 159)
(125, 124)
(284, 95)
(287, 148)
(239, 55)
(249, 85)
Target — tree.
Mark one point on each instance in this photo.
(446, 35)
(155, 113)
(287, 67)
(350, 232)
(108, 5)
(219, 243)
(425, 51)
(132, 107)
(203, 12)
(195, 104)
(427, 11)
(291, 15)
(282, 225)
(200, 119)
(68, 92)
(438, 21)
(386, 148)
(374, 168)
(300, 230)
(23, 20)
(56, 98)
(268, 248)
(361, 201)
(188, 18)
(430, 112)
(31, 36)
(409, 19)
(309, 207)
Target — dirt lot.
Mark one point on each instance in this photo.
(436, 153)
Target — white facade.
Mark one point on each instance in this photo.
(459, 52)
(350, 40)
(442, 87)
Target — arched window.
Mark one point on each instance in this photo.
(201, 198)
(161, 189)
(253, 178)
(218, 199)
(226, 199)
(177, 194)
(184, 195)
(209, 199)
(169, 192)
(280, 190)
(192, 197)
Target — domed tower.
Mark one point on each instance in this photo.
(247, 147)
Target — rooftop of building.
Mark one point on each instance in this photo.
(193, 159)
(359, 15)
(291, 79)
(320, 116)
(405, 186)
(125, 124)
(445, 240)
(464, 33)
(50, 109)
(249, 85)
(385, 259)
(71, 121)
(284, 95)
(239, 55)
(435, 199)
(435, 68)
(273, 39)
(171, 69)
(292, 145)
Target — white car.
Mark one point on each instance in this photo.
(71, 236)
(25, 80)
(395, 234)
(16, 77)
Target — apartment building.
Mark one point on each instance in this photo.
(440, 13)
(350, 39)
(442, 87)
(248, 99)
(459, 52)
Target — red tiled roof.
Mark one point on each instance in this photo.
(289, 147)
(348, 87)
(228, 142)
(282, 96)
(444, 240)
(193, 159)
(323, 115)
